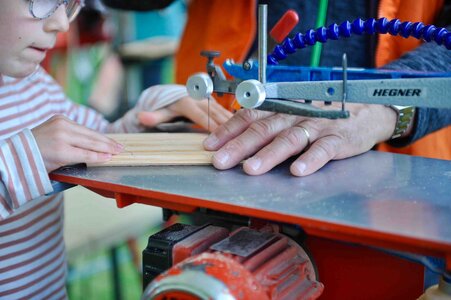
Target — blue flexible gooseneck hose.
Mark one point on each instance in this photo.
(428, 33)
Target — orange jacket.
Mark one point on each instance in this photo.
(212, 25)
(437, 144)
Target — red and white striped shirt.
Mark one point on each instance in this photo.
(32, 254)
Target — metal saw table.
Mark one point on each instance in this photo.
(378, 199)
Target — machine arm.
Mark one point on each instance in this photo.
(285, 97)
(420, 89)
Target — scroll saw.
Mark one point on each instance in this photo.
(375, 226)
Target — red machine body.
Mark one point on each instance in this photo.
(247, 264)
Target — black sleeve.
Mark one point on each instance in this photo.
(138, 5)
(444, 19)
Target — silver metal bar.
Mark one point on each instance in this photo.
(262, 41)
(345, 81)
(208, 113)
(419, 92)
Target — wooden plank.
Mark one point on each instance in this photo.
(146, 149)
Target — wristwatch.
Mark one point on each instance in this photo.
(405, 116)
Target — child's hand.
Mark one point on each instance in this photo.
(64, 142)
(196, 111)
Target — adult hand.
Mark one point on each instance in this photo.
(64, 142)
(270, 138)
(196, 111)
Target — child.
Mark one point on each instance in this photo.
(40, 131)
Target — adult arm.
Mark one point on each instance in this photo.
(428, 57)
(264, 140)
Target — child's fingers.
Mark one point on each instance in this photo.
(153, 118)
(96, 143)
(216, 113)
(87, 156)
(65, 131)
(198, 115)
(196, 111)
(85, 138)
(219, 113)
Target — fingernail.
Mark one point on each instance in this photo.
(211, 141)
(222, 157)
(254, 163)
(300, 167)
(106, 156)
(119, 147)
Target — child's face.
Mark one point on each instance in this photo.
(25, 40)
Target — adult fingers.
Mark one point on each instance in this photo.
(340, 139)
(257, 135)
(233, 127)
(320, 152)
(286, 144)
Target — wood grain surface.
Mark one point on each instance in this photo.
(145, 149)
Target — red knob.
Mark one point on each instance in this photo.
(284, 26)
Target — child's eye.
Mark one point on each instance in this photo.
(42, 9)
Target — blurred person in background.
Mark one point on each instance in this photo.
(263, 139)
(85, 63)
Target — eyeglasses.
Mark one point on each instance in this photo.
(42, 9)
